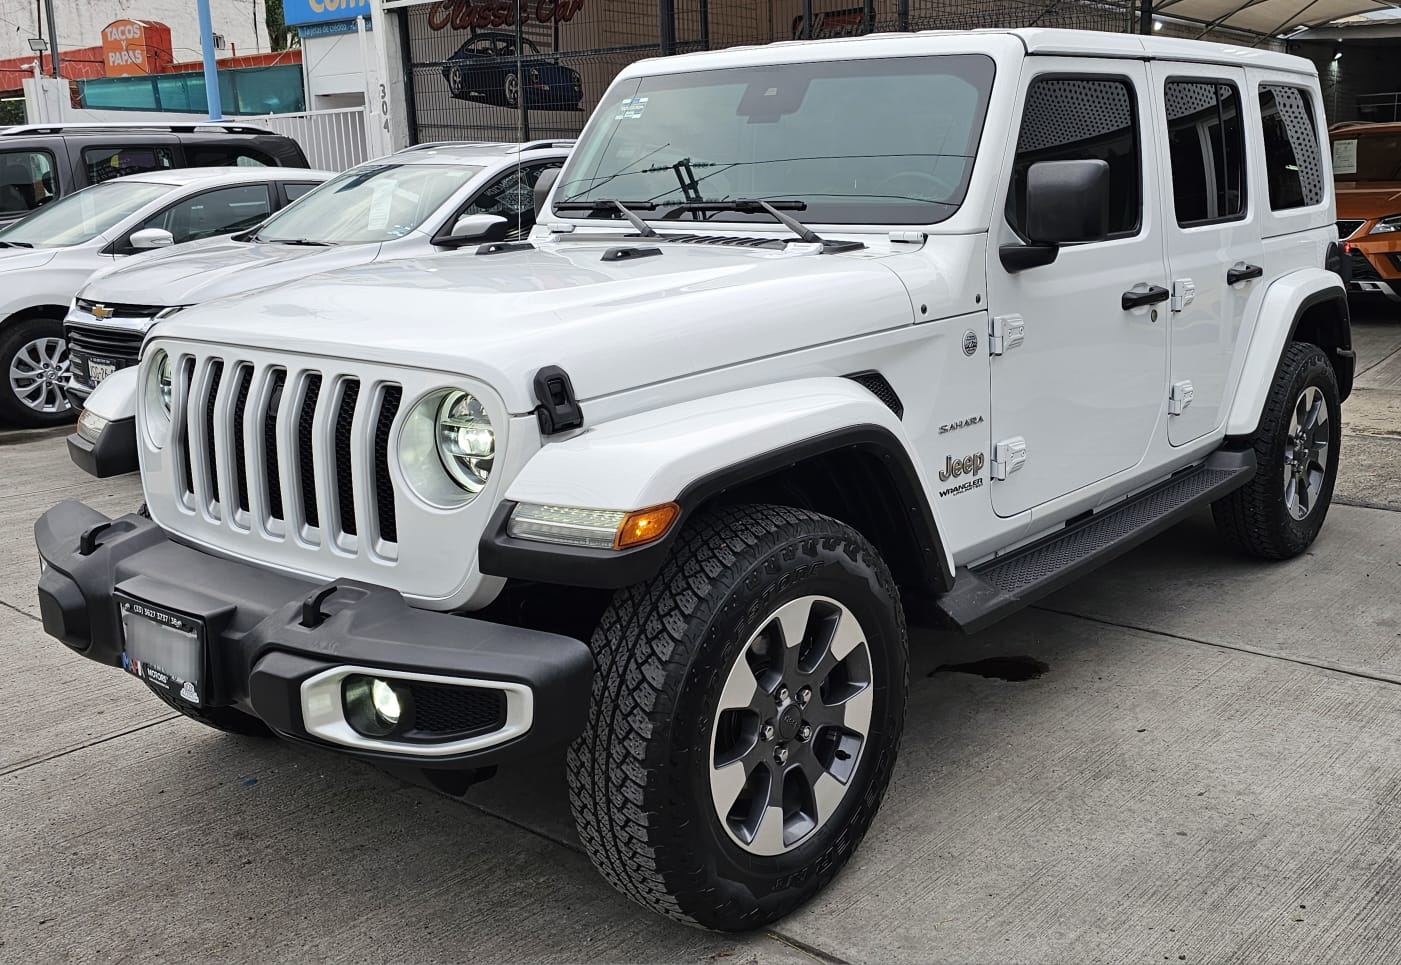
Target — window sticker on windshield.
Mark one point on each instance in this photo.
(631, 108)
(380, 200)
(1345, 157)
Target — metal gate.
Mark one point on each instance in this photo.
(479, 72)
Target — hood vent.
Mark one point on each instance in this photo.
(732, 240)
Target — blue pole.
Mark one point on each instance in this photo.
(211, 72)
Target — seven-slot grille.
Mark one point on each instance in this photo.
(285, 450)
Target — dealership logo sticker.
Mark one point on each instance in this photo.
(970, 342)
(631, 108)
(189, 693)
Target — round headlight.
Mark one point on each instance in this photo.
(159, 393)
(466, 441)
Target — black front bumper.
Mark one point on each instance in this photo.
(266, 633)
(112, 453)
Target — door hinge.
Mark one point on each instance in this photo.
(1184, 292)
(1007, 457)
(1179, 397)
(1005, 332)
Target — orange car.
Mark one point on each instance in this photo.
(1367, 172)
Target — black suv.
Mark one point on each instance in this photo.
(42, 162)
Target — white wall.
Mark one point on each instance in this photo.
(335, 70)
(80, 24)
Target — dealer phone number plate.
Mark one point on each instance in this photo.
(165, 649)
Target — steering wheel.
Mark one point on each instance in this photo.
(942, 188)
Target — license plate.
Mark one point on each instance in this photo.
(163, 648)
(97, 371)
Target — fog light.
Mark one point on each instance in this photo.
(377, 707)
(386, 702)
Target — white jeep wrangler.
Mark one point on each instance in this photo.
(812, 339)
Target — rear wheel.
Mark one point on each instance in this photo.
(747, 709)
(1278, 514)
(33, 373)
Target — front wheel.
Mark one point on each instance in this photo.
(747, 710)
(1278, 514)
(33, 373)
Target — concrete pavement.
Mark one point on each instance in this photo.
(1207, 768)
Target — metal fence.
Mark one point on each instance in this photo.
(332, 140)
(478, 74)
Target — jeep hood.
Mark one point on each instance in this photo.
(613, 323)
(212, 270)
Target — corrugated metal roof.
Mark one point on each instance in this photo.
(1268, 17)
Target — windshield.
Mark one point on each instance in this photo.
(1367, 157)
(860, 142)
(379, 201)
(82, 216)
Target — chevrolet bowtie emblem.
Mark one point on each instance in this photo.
(102, 311)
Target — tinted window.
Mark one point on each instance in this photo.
(106, 163)
(1359, 156)
(295, 189)
(1206, 145)
(214, 213)
(26, 181)
(858, 142)
(1291, 147)
(226, 155)
(1071, 118)
(512, 196)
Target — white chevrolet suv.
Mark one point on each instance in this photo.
(813, 340)
(421, 202)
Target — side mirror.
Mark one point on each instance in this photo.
(543, 185)
(148, 238)
(476, 227)
(1067, 202)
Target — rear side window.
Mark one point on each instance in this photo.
(226, 155)
(26, 181)
(1292, 164)
(295, 189)
(1079, 118)
(1206, 145)
(106, 163)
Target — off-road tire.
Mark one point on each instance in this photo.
(1255, 518)
(13, 412)
(226, 719)
(639, 775)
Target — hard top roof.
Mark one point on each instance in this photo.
(1031, 40)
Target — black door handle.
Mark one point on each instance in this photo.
(1137, 299)
(1243, 272)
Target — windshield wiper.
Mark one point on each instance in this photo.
(15, 244)
(307, 242)
(776, 209)
(613, 204)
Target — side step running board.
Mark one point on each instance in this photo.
(999, 587)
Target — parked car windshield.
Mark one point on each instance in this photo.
(82, 216)
(859, 142)
(1367, 157)
(379, 201)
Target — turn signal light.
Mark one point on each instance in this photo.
(646, 526)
